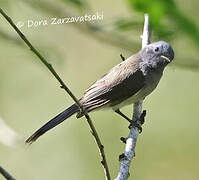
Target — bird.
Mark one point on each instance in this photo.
(128, 82)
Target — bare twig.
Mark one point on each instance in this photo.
(63, 85)
(146, 36)
(127, 156)
(5, 174)
(122, 57)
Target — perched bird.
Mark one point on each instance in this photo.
(126, 83)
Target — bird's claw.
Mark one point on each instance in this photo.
(139, 122)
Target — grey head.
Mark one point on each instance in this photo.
(156, 55)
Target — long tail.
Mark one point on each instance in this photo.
(53, 122)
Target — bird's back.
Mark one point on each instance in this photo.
(120, 83)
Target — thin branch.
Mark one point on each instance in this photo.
(122, 57)
(5, 174)
(146, 36)
(63, 85)
(126, 158)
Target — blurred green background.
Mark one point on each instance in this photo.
(29, 95)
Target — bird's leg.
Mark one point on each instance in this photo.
(132, 123)
(123, 115)
(136, 123)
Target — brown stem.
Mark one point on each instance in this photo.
(5, 174)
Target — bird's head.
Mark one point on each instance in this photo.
(157, 54)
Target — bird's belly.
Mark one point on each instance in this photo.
(152, 83)
(135, 98)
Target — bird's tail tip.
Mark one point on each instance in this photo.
(30, 140)
(52, 123)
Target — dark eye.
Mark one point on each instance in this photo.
(156, 49)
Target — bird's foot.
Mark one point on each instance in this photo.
(139, 122)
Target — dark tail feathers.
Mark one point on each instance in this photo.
(53, 122)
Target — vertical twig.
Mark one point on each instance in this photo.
(63, 85)
(5, 174)
(146, 36)
(127, 156)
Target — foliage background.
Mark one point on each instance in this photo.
(29, 96)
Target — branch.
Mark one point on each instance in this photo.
(146, 36)
(127, 156)
(5, 174)
(63, 85)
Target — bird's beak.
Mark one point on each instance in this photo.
(169, 55)
(165, 58)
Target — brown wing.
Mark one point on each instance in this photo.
(119, 84)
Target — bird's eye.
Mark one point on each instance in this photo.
(156, 49)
